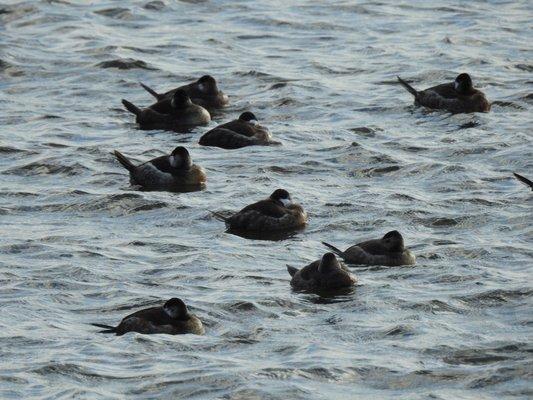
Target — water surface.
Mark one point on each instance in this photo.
(80, 245)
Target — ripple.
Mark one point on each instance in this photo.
(9, 69)
(494, 298)
(125, 63)
(524, 67)
(46, 168)
(154, 5)
(115, 13)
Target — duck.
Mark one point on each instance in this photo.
(165, 172)
(524, 180)
(324, 274)
(179, 112)
(388, 251)
(238, 133)
(203, 92)
(276, 213)
(456, 97)
(172, 318)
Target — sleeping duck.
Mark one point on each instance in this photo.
(238, 133)
(167, 172)
(456, 97)
(180, 112)
(389, 251)
(172, 318)
(276, 213)
(203, 92)
(324, 274)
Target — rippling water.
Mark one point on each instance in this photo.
(80, 245)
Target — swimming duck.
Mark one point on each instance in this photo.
(276, 213)
(324, 274)
(203, 92)
(179, 112)
(389, 251)
(165, 172)
(524, 180)
(238, 133)
(456, 97)
(172, 318)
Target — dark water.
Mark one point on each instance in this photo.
(79, 245)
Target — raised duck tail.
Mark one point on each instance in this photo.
(219, 216)
(334, 249)
(132, 108)
(126, 163)
(408, 87)
(107, 328)
(151, 91)
(292, 271)
(524, 180)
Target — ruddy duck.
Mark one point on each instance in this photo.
(172, 318)
(389, 251)
(180, 113)
(165, 172)
(456, 97)
(324, 274)
(238, 133)
(276, 213)
(203, 92)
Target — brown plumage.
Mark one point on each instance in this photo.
(456, 97)
(169, 172)
(203, 92)
(277, 213)
(180, 113)
(172, 318)
(389, 251)
(241, 132)
(324, 274)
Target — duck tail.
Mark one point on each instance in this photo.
(292, 271)
(107, 328)
(408, 87)
(132, 108)
(334, 249)
(524, 180)
(126, 163)
(151, 91)
(219, 216)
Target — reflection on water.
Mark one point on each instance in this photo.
(266, 235)
(173, 188)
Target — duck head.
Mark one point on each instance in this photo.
(180, 158)
(463, 83)
(393, 241)
(207, 84)
(248, 117)
(282, 197)
(180, 99)
(176, 309)
(328, 263)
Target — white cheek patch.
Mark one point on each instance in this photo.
(456, 85)
(286, 202)
(201, 87)
(173, 162)
(170, 312)
(172, 103)
(253, 122)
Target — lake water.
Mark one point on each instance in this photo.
(78, 244)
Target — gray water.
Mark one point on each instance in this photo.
(80, 245)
